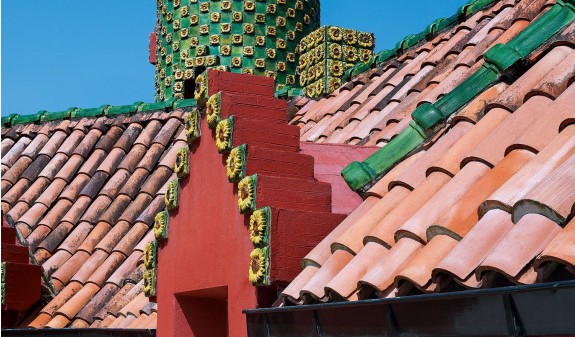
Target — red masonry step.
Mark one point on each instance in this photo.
(294, 194)
(278, 163)
(293, 235)
(22, 286)
(274, 136)
(266, 109)
(8, 235)
(232, 83)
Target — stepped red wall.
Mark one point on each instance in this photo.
(202, 280)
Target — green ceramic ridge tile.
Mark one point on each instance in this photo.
(104, 110)
(358, 175)
(164, 105)
(498, 60)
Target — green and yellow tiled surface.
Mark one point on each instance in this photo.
(327, 53)
(257, 37)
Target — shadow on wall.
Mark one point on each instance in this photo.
(205, 312)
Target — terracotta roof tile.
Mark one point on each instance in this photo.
(487, 193)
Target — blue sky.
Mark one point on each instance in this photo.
(60, 53)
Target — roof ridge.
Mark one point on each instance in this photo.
(104, 110)
(431, 31)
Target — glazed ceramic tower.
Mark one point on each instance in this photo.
(257, 37)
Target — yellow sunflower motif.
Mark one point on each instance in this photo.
(350, 54)
(184, 33)
(260, 63)
(271, 53)
(213, 110)
(235, 163)
(184, 11)
(164, 30)
(291, 13)
(310, 91)
(169, 17)
(259, 224)
(311, 74)
(365, 55)
(192, 124)
(237, 39)
(281, 44)
(271, 31)
(225, 28)
(290, 57)
(200, 61)
(188, 73)
(247, 193)
(178, 86)
(236, 62)
(248, 51)
(182, 165)
(290, 79)
(204, 7)
(299, 5)
(189, 62)
(260, 18)
(319, 71)
(204, 29)
(350, 37)
(184, 54)
(334, 84)
(299, 26)
(271, 9)
(176, 24)
(176, 3)
(335, 34)
(194, 19)
(319, 87)
(291, 35)
(271, 74)
(258, 266)
(248, 71)
(336, 68)
(194, 42)
(248, 28)
(161, 226)
(150, 283)
(249, 6)
(237, 16)
(214, 39)
(169, 38)
(225, 50)
(215, 17)
(365, 40)
(260, 40)
(226, 5)
(150, 254)
(171, 195)
(224, 132)
(178, 75)
(280, 21)
(168, 81)
(201, 89)
(281, 66)
(163, 51)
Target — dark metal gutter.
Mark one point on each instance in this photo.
(79, 332)
(529, 310)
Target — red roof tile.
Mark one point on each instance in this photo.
(75, 193)
(485, 202)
